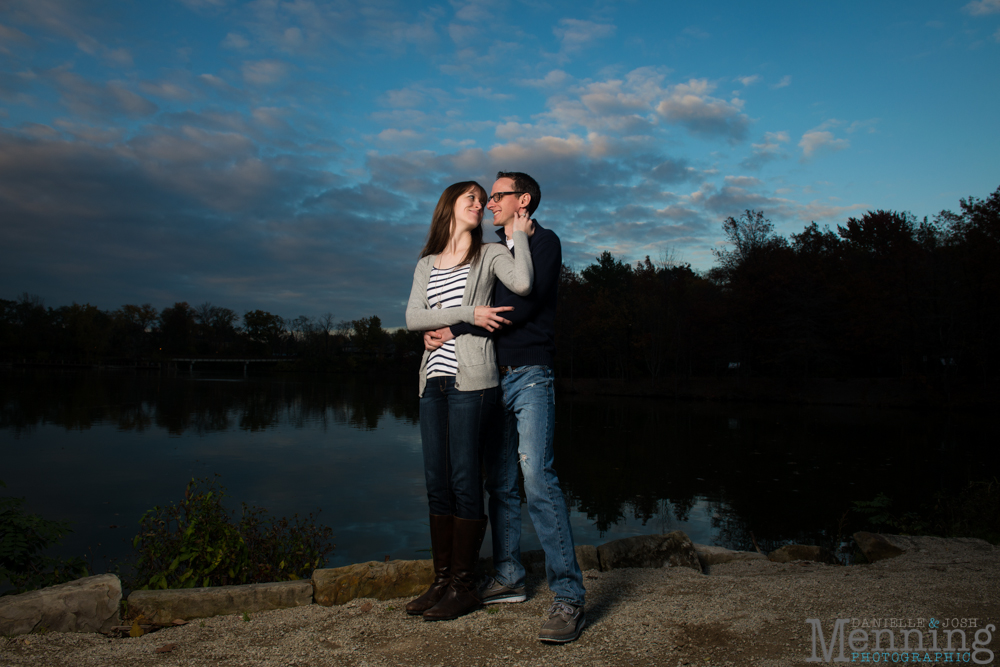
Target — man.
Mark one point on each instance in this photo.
(525, 348)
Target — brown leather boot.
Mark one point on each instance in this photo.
(461, 597)
(441, 545)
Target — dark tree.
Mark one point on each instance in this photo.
(264, 329)
(178, 333)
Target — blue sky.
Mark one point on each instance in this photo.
(287, 155)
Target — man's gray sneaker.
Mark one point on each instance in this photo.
(565, 623)
(493, 592)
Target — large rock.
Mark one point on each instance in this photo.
(671, 550)
(940, 549)
(374, 579)
(709, 556)
(586, 556)
(163, 607)
(792, 552)
(85, 605)
(875, 547)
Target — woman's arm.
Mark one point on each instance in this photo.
(517, 272)
(419, 314)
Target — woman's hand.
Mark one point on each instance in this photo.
(524, 223)
(489, 318)
(435, 339)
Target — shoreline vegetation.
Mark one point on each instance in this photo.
(883, 297)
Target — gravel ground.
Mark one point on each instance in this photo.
(747, 613)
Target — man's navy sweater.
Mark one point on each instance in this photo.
(530, 339)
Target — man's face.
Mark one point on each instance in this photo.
(504, 210)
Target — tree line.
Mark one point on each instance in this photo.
(883, 295)
(85, 334)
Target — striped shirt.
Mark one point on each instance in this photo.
(444, 290)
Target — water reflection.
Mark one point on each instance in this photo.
(783, 473)
(181, 403)
(99, 448)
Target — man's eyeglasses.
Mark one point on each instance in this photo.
(497, 196)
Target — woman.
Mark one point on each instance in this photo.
(453, 283)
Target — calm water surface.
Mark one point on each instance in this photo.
(99, 448)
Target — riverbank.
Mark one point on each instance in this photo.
(747, 613)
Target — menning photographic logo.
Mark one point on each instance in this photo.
(946, 641)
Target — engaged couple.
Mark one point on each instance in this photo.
(487, 399)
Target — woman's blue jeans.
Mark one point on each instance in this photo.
(450, 422)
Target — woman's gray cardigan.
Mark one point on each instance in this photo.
(477, 368)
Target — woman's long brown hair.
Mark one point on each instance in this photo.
(444, 213)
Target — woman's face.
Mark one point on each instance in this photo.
(468, 211)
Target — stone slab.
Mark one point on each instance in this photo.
(85, 605)
(374, 579)
(876, 547)
(163, 607)
(793, 552)
(709, 555)
(671, 550)
(939, 547)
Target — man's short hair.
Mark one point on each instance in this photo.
(524, 183)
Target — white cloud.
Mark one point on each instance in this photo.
(859, 125)
(691, 105)
(263, 72)
(90, 133)
(749, 80)
(462, 33)
(743, 181)
(292, 39)
(766, 151)
(553, 79)
(484, 93)
(773, 139)
(205, 4)
(464, 143)
(94, 99)
(394, 136)
(513, 130)
(213, 80)
(62, 19)
(235, 41)
(784, 83)
(575, 34)
(165, 89)
(815, 141)
(983, 7)
(404, 98)
(119, 57)
(10, 36)
(271, 117)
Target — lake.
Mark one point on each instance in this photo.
(100, 447)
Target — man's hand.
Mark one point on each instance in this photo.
(435, 339)
(489, 318)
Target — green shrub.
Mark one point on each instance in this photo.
(24, 539)
(971, 511)
(196, 543)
